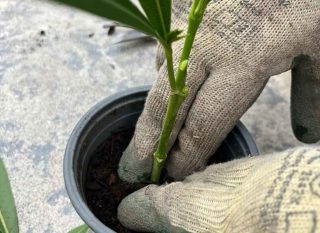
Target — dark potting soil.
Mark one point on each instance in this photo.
(104, 190)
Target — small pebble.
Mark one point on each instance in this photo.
(112, 179)
(111, 30)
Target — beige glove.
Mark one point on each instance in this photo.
(271, 193)
(241, 43)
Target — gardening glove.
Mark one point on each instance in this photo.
(271, 193)
(240, 44)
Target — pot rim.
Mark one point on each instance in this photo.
(69, 177)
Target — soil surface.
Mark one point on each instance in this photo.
(104, 190)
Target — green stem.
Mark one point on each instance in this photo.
(175, 101)
(172, 81)
(178, 87)
(195, 18)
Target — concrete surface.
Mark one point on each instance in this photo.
(55, 63)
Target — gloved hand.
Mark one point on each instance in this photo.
(271, 193)
(240, 44)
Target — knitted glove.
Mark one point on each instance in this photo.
(271, 193)
(240, 44)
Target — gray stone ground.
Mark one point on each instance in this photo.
(47, 82)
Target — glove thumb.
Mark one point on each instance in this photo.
(305, 99)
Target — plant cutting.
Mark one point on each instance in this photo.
(156, 21)
(90, 165)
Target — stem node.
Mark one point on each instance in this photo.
(183, 65)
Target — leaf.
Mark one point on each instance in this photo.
(159, 15)
(122, 11)
(81, 229)
(174, 36)
(8, 212)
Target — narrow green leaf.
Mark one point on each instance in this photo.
(8, 212)
(174, 36)
(81, 229)
(122, 11)
(159, 15)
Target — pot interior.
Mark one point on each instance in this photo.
(118, 112)
(108, 120)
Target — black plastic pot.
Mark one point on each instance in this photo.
(123, 110)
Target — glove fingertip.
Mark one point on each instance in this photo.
(131, 168)
(137, 212)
